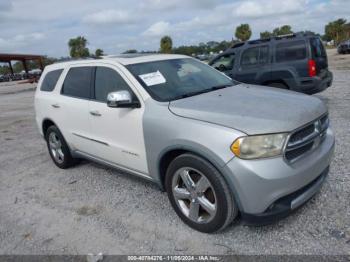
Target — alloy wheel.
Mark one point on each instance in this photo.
(55, 145)
(194, 195)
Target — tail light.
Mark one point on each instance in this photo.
(312, 68)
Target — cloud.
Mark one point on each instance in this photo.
(118, 25)
(172, 5)
(5, 6)
(257, 9)
(21, 40)
(157, 29)
(110, 16)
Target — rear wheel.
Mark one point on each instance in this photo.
(199, 194)
(58, 148)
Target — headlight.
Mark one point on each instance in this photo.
(260, 146)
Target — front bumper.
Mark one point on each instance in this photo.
(287, 204)
(259, 184)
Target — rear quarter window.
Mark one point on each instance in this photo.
(50, 80)
(317, 48)
(290, 51)
(78, 82)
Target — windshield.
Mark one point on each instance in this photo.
(173, 79)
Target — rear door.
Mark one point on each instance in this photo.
(70, 108)
(319, 54)
(254, 65)
(291, 57)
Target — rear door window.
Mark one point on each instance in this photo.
(50, 80)
(255, 56)
(290, 51)
(78, 82)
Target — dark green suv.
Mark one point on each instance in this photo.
(297, 62)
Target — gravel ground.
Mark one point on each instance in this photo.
(92, 209)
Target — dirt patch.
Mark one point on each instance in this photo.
(88, 210)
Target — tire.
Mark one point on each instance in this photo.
(278, 85)
(204, 201)
(58, 148)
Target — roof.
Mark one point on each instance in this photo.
(11, 57)
(126, 59)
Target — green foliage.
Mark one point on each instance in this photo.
(243, 32)
(130, 51)
(283, 30)
(99, 52)
(77, 47)
(265, 34)
(202, 48)
(4, 69)
(166, 44)
(337, 30)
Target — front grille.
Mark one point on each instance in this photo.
(306, 138)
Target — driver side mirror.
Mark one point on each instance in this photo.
(122, 99)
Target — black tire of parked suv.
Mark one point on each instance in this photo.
(278, 85)
(226, 207)
(67, 160)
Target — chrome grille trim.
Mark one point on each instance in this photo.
(308, 142)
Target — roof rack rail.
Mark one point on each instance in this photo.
(279, 37)
(74, 59)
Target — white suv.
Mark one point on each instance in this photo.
(218, 147)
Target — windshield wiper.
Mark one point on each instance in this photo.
(193, 93)
(213, 88)
(219, 87)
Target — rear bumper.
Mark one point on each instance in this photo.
(312, 85)
(287, 204)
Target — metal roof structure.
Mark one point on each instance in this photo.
(7, 58)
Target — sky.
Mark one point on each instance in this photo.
(45, 26)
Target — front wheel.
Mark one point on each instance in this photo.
(199, 194)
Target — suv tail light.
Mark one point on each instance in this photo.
(312, 67)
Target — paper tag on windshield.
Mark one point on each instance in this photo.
(152, 79)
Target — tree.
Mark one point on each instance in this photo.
(130, 51)
(283, 30)
(99, 52)
(77, 47)
(265, 34)
(336, 30)
(243, 32)
(166, 44)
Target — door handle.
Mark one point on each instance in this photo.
(55, 105)
(95, 113)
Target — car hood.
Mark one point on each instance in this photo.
(251, 109)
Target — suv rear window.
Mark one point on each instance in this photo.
(78, 82)
(290, 51)
(50, 80)
(317, 48)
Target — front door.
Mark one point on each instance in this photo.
(118, 132)
(254, 65)
(224, 63)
